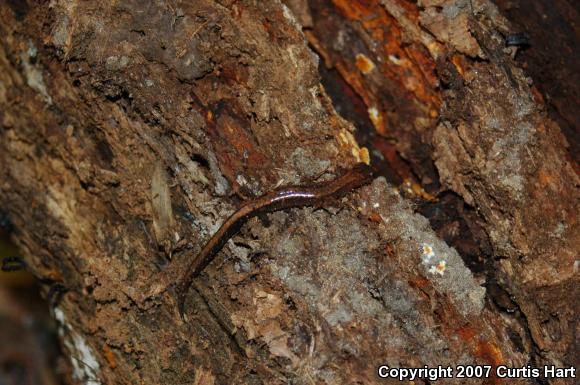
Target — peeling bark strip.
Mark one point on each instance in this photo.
(127, 129)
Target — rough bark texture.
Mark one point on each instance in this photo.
(553, 29)
(130, 130)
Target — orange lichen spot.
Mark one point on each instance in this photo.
(209, 116)
(347, 139)
(238, 73)
(439, 268)
(427, 250)
(418, 282)
(489, 352)
(435, 49)
(411, 10)
(374, 217)
(109, 356)
(360, 154)
(417, 190)
(545, 178)
(231, 130)
(486, 351)
(390, 250)
(466, 333)
(363, 155)
(364, 64)
(354, 10)
(457, 61)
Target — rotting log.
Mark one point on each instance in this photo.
(130, 130)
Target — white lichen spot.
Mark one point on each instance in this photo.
(85, 365)
(59, 316)
(241, 180)
(34, 78)
(287, 12)
(374, 115)
(515, 182)
(339, 42)
(379, 155)
(376, 205)
(315, 92)
(60, 33)
(384, 219)
(32, 50)
(84, 362)
(116, 62)
(560, 229)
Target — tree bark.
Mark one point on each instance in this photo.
(130, 130)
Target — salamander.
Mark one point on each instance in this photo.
(280, 199)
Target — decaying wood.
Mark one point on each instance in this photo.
(130, 130)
